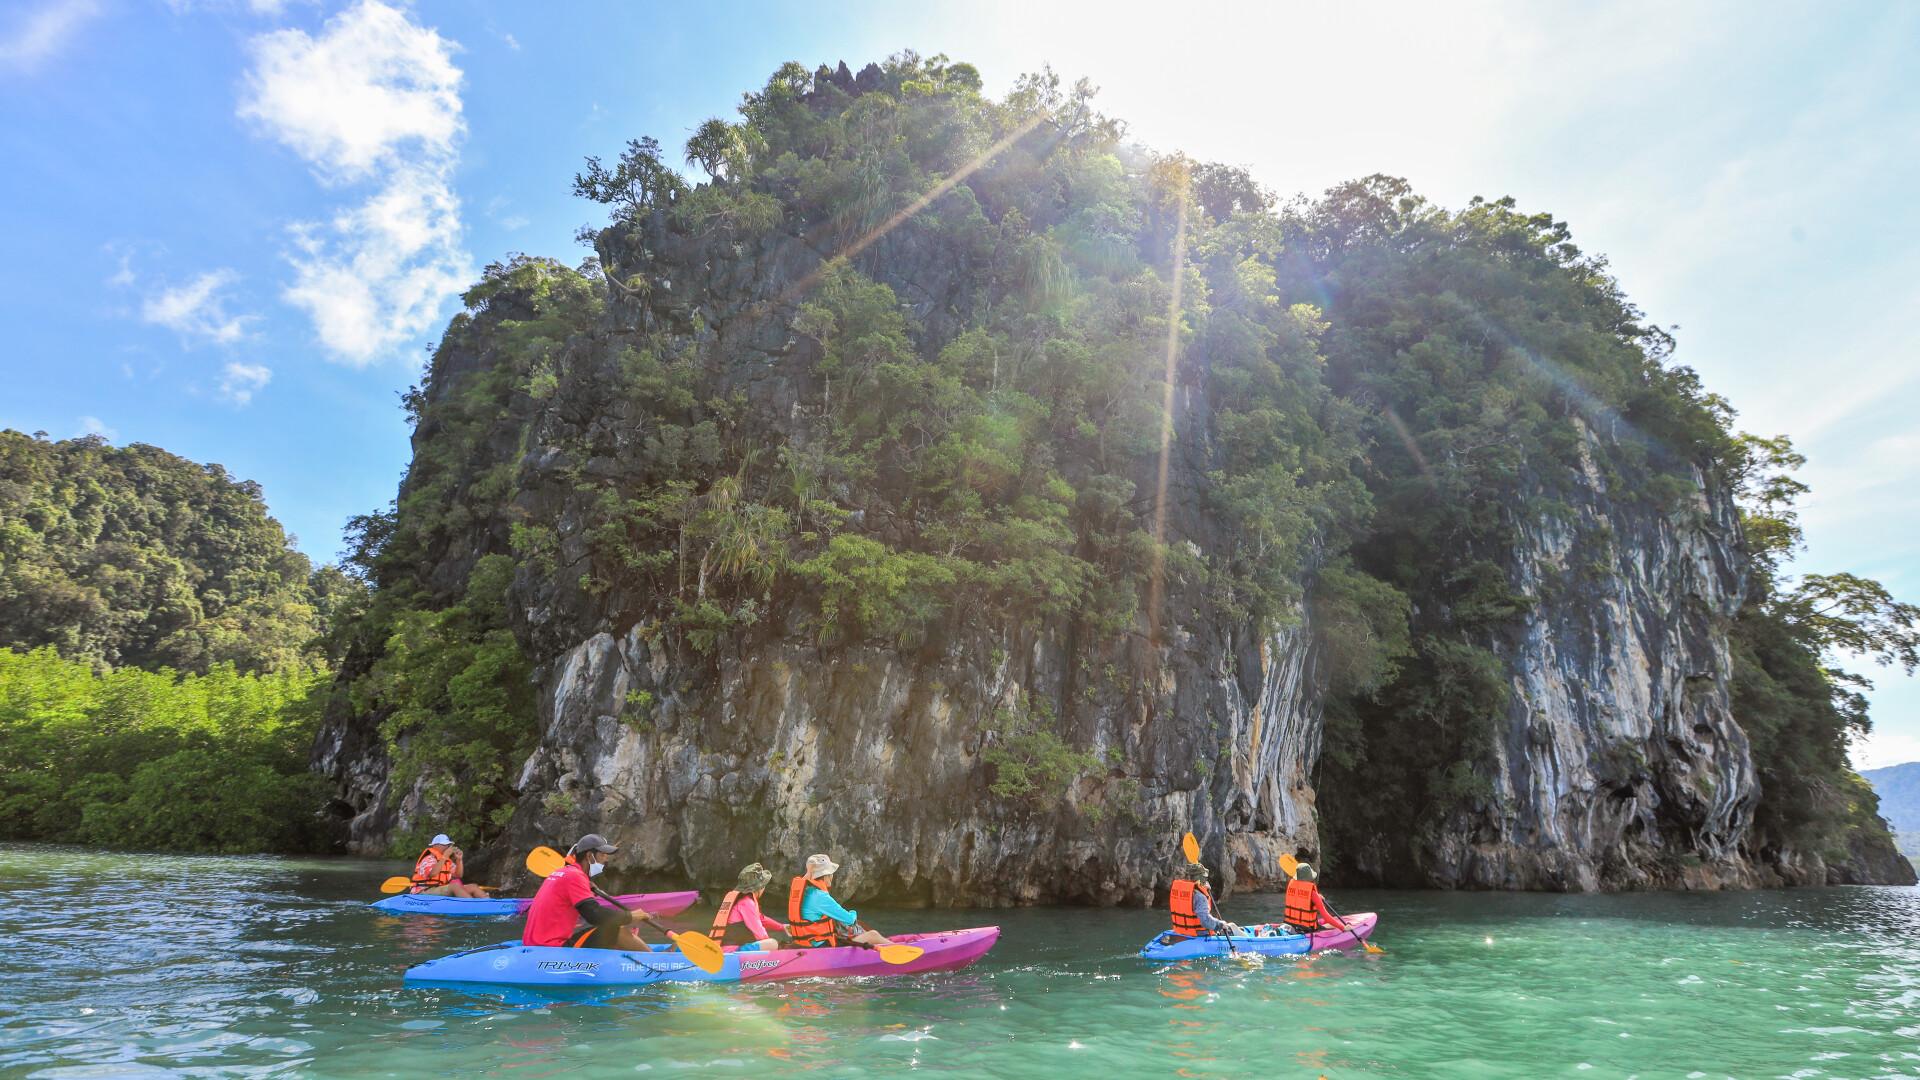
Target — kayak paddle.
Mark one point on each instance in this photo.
(404, 884)
(544, 861)
(699, 948)
(1292, 867)
(895, 954)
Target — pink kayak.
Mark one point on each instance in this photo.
(949, 950)
(660, 903)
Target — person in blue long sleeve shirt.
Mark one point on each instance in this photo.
(818, 905)
(1203, 910)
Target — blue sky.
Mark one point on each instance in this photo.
(232, 229)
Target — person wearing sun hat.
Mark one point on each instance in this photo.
(740, 921)
(437, 871)
(1306, 910)
(816, 919)
(1191, 903)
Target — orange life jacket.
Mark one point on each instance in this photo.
(1302, 912)
(442, 868)
(1180, 902)
(719, 931)
(818, 934)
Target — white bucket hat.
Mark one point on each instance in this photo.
(820, 866)
(443, 838)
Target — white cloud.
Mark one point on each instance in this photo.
(496, 209)
(125, 276)
(372, 100)
(91, 425)
(238, 381)
(39, 33)
(197, 310)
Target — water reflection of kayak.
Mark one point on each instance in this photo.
(1171, 946)
(663, 903)
(513, 964)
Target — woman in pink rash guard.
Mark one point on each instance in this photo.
(740, 921)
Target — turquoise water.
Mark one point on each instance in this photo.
(146, 965)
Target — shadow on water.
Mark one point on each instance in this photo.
(194, 966)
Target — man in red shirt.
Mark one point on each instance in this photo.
(568, 896)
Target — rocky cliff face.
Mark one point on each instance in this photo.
(775, 746)
(1617, 762)
(1621, 765)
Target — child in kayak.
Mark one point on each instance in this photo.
(569, 896)
(816, 920)
(438, 869)
(740, 921)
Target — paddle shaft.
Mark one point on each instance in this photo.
(615, 901)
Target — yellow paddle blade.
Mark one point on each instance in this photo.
(544, 860)
(702, 950)
(1191, 847)
(900, 954)
(1289, 865)
(396, 884)
(1371, 947)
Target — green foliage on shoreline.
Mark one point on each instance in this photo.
(132, 556)
(212, 762)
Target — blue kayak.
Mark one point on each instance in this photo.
(1275, 940)
(661, 904)
(513, 964)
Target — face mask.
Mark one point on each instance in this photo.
(593, 869)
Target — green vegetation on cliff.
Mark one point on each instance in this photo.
(1485, 345)
(434, 661)
(1794, 703)
(1392, 397)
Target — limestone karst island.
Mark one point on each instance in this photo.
(936, 575)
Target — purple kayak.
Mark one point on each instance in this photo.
(949, 950)
(660, 903)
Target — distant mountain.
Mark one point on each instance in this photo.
(1899, 789)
